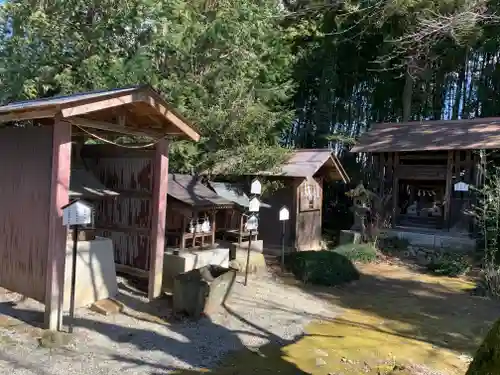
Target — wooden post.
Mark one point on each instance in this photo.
(213, 227)
(447, 194)
(159, 214)
(382, 165)
(296, 210)
(56, 247)
(182, 244)
(240, 234)
(395, 188)
(183, 241)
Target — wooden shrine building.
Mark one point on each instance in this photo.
(429, 168)
(301, 178)
(36, 139)
(192, 213)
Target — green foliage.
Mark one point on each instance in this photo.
(488, 283)
(226, 65)
(449, 264)
(353, 57)
(322, 267)
(487, 213)
(363, 253)
(392, 245)
(487, 358)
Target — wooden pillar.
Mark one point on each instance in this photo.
(214, 229)
(56, 247)
(159, 214)
(382, 170)
(447, 194)
(395, 188)
(240, 234)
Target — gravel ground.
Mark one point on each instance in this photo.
(138, 342)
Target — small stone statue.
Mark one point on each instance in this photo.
(371, 212)
(361, 210)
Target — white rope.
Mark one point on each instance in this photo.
(117, 144)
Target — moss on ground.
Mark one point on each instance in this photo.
(395, 321)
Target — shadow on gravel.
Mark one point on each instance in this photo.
(193, 343)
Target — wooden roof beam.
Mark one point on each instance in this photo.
(171, 117)
(28, 115)
(106, 126)
(72, 111)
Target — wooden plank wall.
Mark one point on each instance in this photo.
(25, 163)
(309, 216)
(126, 219)
(269, 224)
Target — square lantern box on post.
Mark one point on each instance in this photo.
(76, 215)
(284, 216)
(252, 223)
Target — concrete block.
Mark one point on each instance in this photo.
(459, 242)
(203, 290)
(255, 246)
(95, 272)
(257, 262)
(188, 260)
(349, 237)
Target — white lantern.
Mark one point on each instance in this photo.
(256, 187)
(254, 205)
(252, 223)
(284, 214)
(78, 212)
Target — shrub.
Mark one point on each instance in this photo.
(322, 267)
(489, 282)
(449, 264)
(389, 245)
(363, 253)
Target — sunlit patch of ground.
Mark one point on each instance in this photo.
(392, 316)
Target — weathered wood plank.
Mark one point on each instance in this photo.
(160, 190)
(56, 257)
(449, 186)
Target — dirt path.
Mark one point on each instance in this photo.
(147, 341)
(392, 317)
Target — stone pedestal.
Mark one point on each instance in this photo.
(95, 272)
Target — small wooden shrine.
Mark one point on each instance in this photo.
(231, 223)
(301, 177)
(429, 169)
(192, 213)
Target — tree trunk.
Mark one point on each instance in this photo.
(407, 95)
(460, 90)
